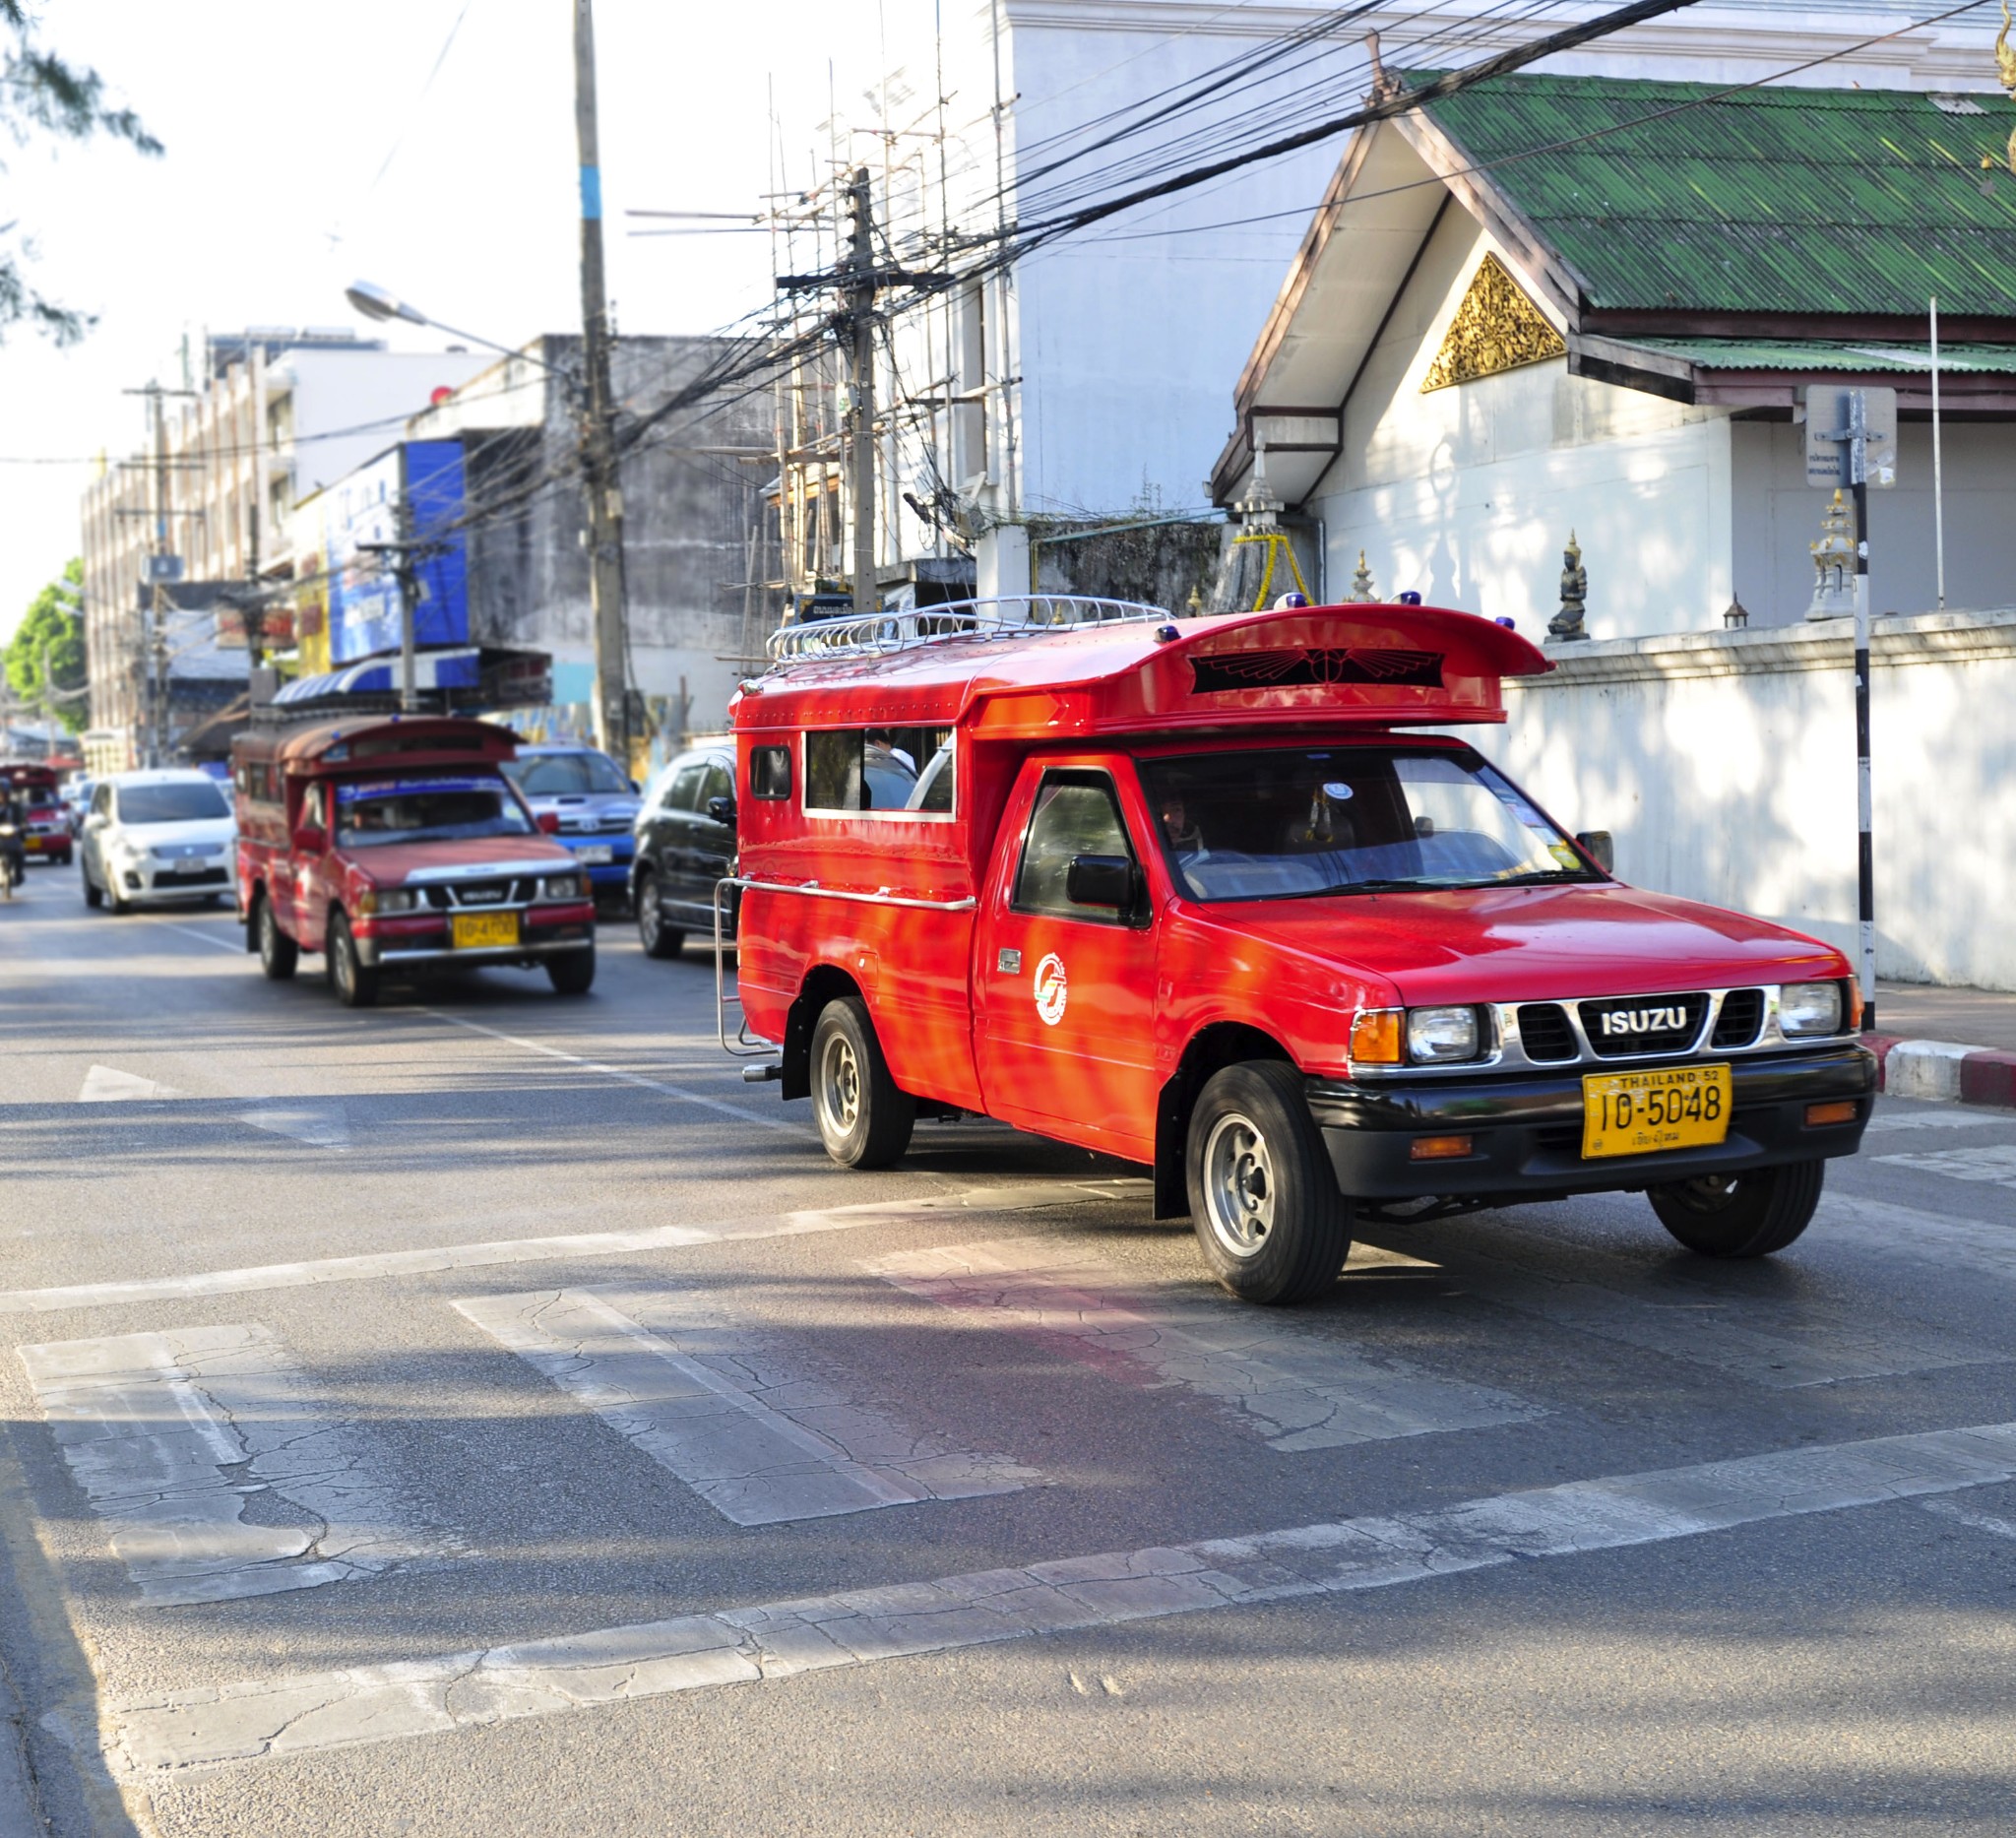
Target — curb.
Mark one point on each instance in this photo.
(1943, 1070)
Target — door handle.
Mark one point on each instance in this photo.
(1008, 962)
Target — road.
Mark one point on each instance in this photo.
(485, 1413)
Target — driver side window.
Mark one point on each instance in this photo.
(1075, 814)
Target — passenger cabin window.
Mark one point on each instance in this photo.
(769, 771)
(1075, 814)
(881, 769)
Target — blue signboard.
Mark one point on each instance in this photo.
(365, 599)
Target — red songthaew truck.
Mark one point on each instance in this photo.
(1200, 895)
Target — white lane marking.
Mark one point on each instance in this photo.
(236, 946)
(1994, 1161)
(1814, 1346)
(1908, 1231)
(1974, 1521)
(749, 1429)
(737, 1111)
(319, 1122)
(1939, 1120)
(155, 1737)
(173, 1436)
(1276, 1377)
(562, 1246)
(109, 1085)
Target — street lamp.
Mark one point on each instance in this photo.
(376, 302)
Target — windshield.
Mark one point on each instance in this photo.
(426, 810)
(1284, 825)
(191, 802)
(561, 775)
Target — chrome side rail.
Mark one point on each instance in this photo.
(1020, 615)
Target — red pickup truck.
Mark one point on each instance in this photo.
(48, 835)
(1198, 894)
(395, 845)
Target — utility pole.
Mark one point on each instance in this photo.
(598, 441)
(156, 643)
(402, 552)
(862, 389)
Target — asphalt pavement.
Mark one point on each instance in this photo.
(485, 1413)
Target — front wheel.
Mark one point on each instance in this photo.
(864, 1118)
(1747, 1215)
(1263, 1196)
(278, 955)
(356, 983)
(658, 938)
(572, 975)
(94, 894)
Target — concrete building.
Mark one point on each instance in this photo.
(272, 415)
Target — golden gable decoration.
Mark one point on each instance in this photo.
(1496, 327)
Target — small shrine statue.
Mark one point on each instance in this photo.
(1361, 588)
(1833, 565)
(1566, 625)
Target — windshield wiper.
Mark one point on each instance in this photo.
(1359, 887)
(1542, 877)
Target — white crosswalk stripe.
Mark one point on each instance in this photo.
(177, 1437)
(735, 1416)
(1274, 1376)
(1994, 1161)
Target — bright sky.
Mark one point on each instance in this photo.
(274, 192)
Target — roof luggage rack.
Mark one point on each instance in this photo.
(1017, 615)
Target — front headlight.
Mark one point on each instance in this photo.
(560, 887)
(387, 900)
(1807, 1009)
(1441, 1035)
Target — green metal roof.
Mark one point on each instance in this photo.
(1667, 196)
(1831, 354)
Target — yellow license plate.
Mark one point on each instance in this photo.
(1643, 1113)
(475, 931)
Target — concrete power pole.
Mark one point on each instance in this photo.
(861, 390)
(598, 445)
(156, 640)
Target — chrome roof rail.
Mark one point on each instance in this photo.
(1017, 615)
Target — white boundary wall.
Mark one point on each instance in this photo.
(1724, 764)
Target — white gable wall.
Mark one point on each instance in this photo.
(1466, 494)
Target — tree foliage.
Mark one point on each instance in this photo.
(42, 94)
(46, 660)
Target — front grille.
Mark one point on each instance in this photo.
(1742, 1015)
(1544, 1033)
(1630, 1027)
(479, 896)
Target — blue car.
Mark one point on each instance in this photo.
(594, 803)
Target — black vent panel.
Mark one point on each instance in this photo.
(1742, 1015)
(1634, 1025)
(1544, 1033)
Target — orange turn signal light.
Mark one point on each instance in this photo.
(1375, 1037)
(1855, 1005)
(1438, 1148)
(1841, 1112)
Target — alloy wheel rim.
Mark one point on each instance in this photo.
(1238, 1185)
(840, 1085)
(650, 917)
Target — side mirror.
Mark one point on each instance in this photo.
(1099, 881)
(1599, 848)
(309, 841)
(549, 821)
(637, 785)
(721, 810)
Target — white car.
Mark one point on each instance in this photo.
(151, 837)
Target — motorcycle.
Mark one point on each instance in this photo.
(13, 859)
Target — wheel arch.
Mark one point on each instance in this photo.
(1211, 1047)
(823, 983)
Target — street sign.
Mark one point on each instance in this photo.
(161, 567)
(1830, 426)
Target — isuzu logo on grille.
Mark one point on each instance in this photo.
(1624, 1021)
(480, 896)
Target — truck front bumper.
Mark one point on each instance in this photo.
(1526, 1129)
(393, 943)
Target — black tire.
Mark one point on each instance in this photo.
(1747, 1215)
(657, 938)
(354, 982)
(114, 899)
(278, 955)
(94, 894)
(572, 975)
(1263, 1196)
(864, 1117)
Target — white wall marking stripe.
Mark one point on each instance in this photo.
(374, 1265)
(173, 1436)
(760, 1442)
(1286, 1382)
(155, 1737)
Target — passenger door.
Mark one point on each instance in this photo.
(710, 844)
(672, 842)
(1064, 988)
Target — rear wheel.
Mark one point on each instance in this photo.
(1747, 1215)
(658, 938)
(572, 975)
(864, 1118)
(1263, 1197)
(354, 982)
(278, 955)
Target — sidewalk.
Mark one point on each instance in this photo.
(1940, 1042)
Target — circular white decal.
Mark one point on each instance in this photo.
(1050, 988)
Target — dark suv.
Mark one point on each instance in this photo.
(685, 844)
